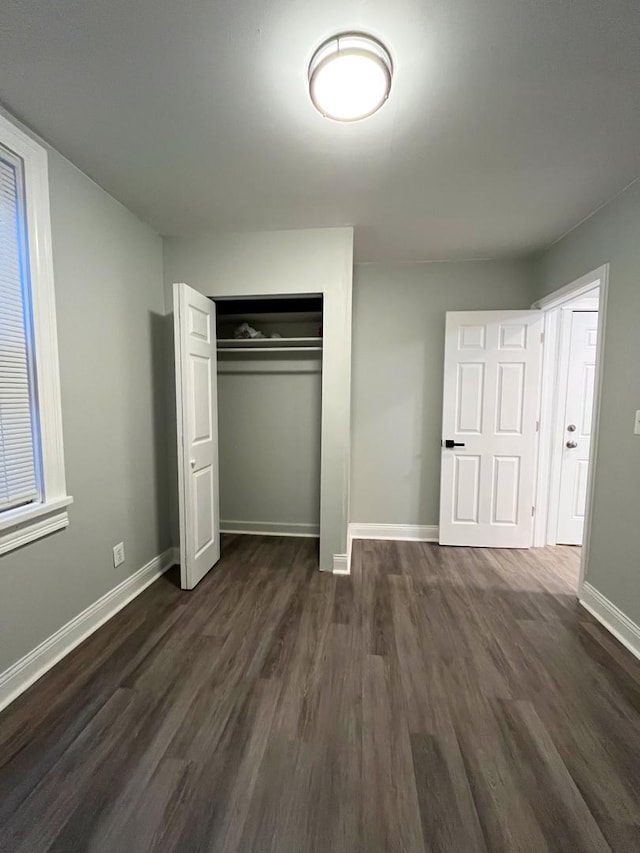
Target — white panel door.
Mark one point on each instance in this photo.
(197, 412)
(577, 427)
(489, 422)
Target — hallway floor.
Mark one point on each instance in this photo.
(439, 699)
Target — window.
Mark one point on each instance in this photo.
(33, 499)
(19, 456)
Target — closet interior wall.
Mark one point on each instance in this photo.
(269, 415)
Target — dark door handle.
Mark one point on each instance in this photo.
(449, 443)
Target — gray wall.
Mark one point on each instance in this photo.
(269, 444)
(109, 299)
(612, 235)
(288, 262)
(398, 361)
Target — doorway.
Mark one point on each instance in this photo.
(270, 414)
(249, 412)
(520, 417)
(569, 409)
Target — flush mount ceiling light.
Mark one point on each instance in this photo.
(350, 77)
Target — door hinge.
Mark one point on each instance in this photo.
(537, 426)
(541, 337)
(533, 510)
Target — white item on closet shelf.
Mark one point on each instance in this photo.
(244, 330)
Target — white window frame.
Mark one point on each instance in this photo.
(30, 522)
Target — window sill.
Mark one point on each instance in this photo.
(20, 526)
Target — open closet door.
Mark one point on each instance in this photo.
(197, 412)
(489, 423)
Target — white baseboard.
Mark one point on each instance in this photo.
(32, 666)
(269, 528)
(341, 564)
(404, 532)
(611, 617)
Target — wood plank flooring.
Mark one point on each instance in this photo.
(439, 699)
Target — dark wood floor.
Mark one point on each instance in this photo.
(439, 699)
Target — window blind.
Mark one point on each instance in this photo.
(18, 469)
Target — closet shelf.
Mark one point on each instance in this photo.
(269, 344)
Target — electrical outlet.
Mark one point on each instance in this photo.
(118, 555)
(636, 423)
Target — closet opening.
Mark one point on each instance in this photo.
(269, 371)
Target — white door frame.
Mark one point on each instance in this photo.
(545, 524)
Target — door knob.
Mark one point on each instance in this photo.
(572, 444)
(571, 428)
(192, 463)
(449, 443)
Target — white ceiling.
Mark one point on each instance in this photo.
(508, 122)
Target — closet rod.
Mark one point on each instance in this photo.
(268, 349)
